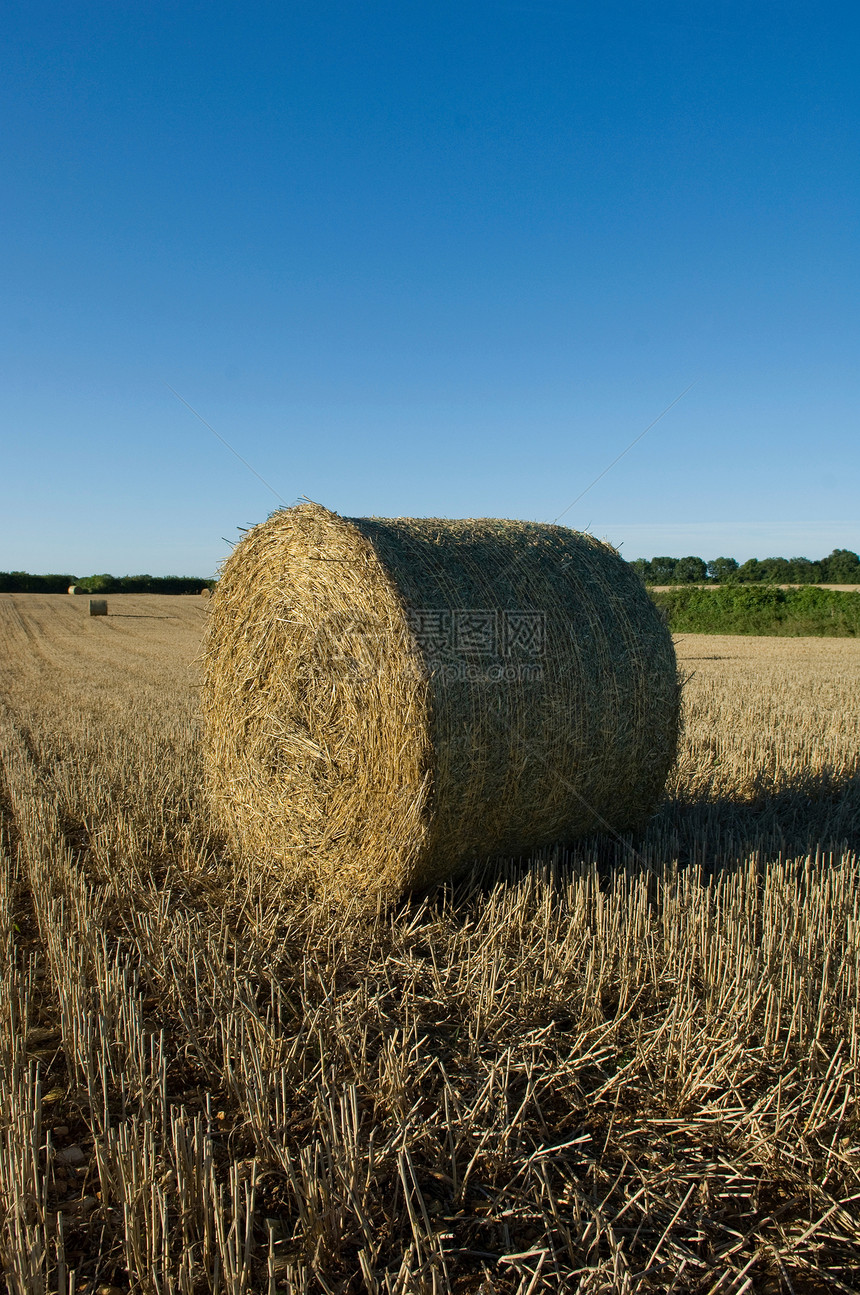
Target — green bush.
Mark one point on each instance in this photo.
(761, 609)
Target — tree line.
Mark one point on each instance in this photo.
(841, 567)
(25, 583)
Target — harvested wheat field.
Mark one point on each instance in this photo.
(631, 1066)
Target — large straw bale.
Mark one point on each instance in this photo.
(386, 700)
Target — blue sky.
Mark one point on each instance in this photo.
(428, 259)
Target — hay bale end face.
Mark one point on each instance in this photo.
(387, 700)
(98, 607)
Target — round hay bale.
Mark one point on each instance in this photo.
(204, 593)
(98, 607)
(76, 589)
(388, 700)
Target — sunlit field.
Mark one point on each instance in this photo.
(631, 1066)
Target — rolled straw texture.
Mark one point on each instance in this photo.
(388, 700)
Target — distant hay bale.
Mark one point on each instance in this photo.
(76, 589)
(387, 700)
(98, 607)
(204, 593)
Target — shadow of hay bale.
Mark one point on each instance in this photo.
(816, 817)
(819, 812)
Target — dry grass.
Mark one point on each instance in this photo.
(387, 701)
(629, 1068)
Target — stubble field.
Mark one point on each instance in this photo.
(629, 1067)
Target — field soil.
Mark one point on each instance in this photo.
(626, 1065)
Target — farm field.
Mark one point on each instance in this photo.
(631, 1066)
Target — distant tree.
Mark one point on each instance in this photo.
(775, 571)
(642, 567)
(723, 570)
(690, 571)
(662, 571)
(804, 572)
(13, 581)
(24, 582)
(750, 571)
(143, 584)
(103, 584)
(842, 567)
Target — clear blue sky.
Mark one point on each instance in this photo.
(428, 259)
